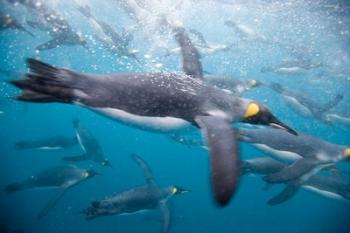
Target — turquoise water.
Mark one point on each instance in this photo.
(318, 31)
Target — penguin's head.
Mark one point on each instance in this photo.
(254, 83)
(347, 153)
(260, 115)
(178, 190)
(91, 173)
(106, 163)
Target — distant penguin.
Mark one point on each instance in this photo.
(303, 104)
(329, 186)
(231, 85)
(307, 154)
(51, 143)
(91, 147)
(164, 102)
(60, 177)
(334, 118)
(111, 40)
(8, 22)
(142, 198)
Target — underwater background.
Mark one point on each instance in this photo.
(320, 30)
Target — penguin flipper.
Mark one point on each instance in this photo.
(191, 64)
(286, 194)
(76, 158)
(223, 146)
(166, 216)
(294, 171)
(51, 44)
(51, 204)
(143, 165)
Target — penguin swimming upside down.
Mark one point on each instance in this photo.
(146, 197)
(162, 102)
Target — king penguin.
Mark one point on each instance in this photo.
(158, 101)
(142, 198)
(327, 185)
(59, 177)
(307, 154)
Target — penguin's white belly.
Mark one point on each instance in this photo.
(339, 119)
(323, 193)
(299, 108)
(289, 70)
(50, 148)
(278, 154)
(80, 141)
(160, 124)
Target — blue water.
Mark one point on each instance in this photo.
(324, 31)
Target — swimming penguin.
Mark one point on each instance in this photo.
(232, 85)
(204, 48)
(303, 104)
(161, 102)
(147, 197)
(246, 32)
(91, 147)
(293, 67)
(52, 23)
(111, 40)
(307, 154)
(336, 118)
(59, 177)
(8, 22)
(52, 143)
(330, 186)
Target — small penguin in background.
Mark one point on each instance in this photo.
(89, 144)
(147, 197)
(59, 177)
(8, 22)
(51, 143)
(303, 104)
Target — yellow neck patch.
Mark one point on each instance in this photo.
(252, 110)
(347, 153)
(174, 190)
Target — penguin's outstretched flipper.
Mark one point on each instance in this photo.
(190, 56)
(76, 158)
(166, 216)
(331, 104)
(298, 169)
(51, 204)
(286, 194)
(143, 165)
(223, 147)
(51, 44)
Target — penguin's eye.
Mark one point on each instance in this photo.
(252, 110)
(347, 153)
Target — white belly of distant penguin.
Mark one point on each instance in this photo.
(278, 154)
(299, 108)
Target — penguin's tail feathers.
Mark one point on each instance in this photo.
(45, 83)
(14, 187)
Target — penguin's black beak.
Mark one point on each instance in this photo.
(275, 123)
